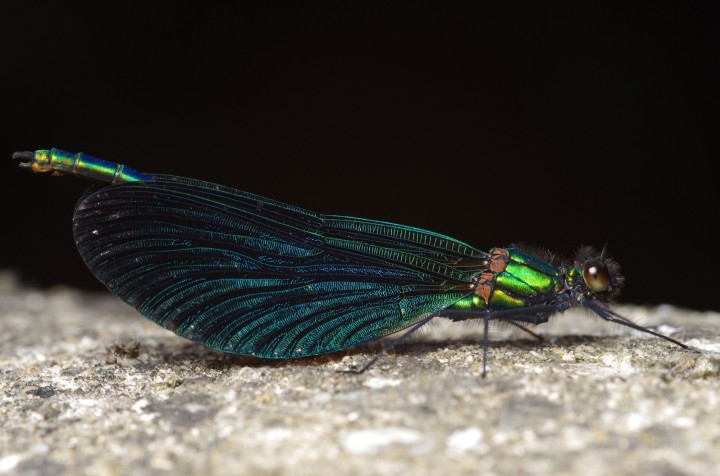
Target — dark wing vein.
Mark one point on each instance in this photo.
(249, 275)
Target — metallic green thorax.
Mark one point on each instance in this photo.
(61, 162)
(514, 280)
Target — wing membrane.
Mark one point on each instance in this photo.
(249, 275)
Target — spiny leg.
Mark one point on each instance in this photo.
(612, 316)
(486, 330)
(519, 326)
(530, 315)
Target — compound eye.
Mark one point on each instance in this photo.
(596, 275)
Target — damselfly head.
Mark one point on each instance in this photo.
(601, 276)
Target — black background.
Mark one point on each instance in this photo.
(553, 127)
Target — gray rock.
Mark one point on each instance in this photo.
(90, 387)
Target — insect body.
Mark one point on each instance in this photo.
(248, 275)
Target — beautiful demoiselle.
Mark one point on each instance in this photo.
(248, 275)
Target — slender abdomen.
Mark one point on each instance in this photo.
(60, 162)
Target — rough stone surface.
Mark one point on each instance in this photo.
(87, 386)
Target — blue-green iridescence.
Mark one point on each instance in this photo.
(513, 284)
(524, 277)
(524, 258)
(249, 275)
(573, 274)
(502, 300)
(469, 303)
(245, 274)
(537, 274)
(85, 166)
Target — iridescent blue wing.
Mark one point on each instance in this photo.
(248, 275)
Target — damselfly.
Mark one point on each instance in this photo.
(248, 275)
